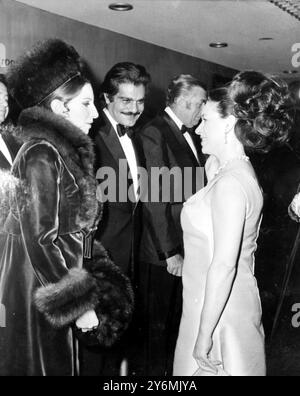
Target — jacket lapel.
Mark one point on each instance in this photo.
(11, 145)
(4, 164)
(111, 140)
(141, 161)
(114, 146)
(179, 145)
(139, 153)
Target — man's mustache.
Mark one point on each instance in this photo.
(132, 114)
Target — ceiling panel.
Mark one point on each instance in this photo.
(189, 26)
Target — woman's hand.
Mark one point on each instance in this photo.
(202, 349)
(88, 321)
(211, 166)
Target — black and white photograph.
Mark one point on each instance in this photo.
(149, 191)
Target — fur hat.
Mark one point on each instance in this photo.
(40, 71)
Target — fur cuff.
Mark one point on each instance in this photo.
(115, 300)
(65, 301)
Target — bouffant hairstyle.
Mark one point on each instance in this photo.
(180, 86)
(262, 106)
(123, 73)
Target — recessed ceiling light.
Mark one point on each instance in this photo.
(290, 71)
(121, 7)
(218, 45)
(266, 39)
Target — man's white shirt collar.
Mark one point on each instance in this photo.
(113, 122)
(129, 152)
(5, 151)
(174, 117)
(186, 135)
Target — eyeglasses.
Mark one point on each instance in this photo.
(129, 102)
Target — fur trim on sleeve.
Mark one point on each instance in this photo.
(115, 300)
(65, 301)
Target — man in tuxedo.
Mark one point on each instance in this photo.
(8, 146)
(168, 142)
(124, 89)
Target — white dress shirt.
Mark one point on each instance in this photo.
(129, 152)
(186, 135)
(5, 151)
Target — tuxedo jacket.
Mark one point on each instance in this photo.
(13, 148)
(165, 146)
(118, 230)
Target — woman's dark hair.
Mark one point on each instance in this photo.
(66, 92)
(122, 73)
(262, 106)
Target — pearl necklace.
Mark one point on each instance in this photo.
(226, 163)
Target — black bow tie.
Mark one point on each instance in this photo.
(122, 130)
(185, 129)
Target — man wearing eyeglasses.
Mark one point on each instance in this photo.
(124, 90)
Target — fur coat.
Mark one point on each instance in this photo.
(49, 276)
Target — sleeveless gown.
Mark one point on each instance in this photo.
(238, 340)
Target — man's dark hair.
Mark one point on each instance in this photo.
(122, 73)
(181, 85)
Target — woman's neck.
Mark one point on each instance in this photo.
(231, 152)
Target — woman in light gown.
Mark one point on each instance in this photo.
(221, 330)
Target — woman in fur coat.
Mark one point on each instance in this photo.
(43, 286)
